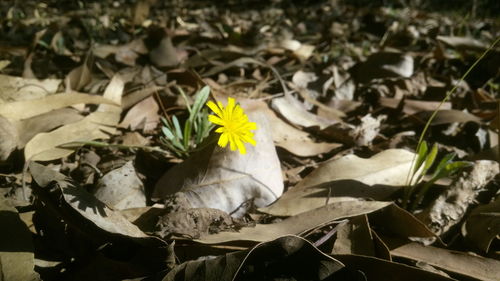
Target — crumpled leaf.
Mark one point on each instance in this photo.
(97, 125)
(290, 257)
(222, 179)
(121, 188)
(17, 258)
(346, 178)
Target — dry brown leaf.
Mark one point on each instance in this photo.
(297, 224)
(355, 237)
(375, 269)
(483, 225)
(84, 208)
(452, 261)
(81, 76)
(28, 108)
(296, 113)
(388, 169)
(447, 117)
(222, 179)
(17, 258)
(9, 139)
(294, 140)
(45, 122)
(121, 188)
(144, 115)
(19, 89)
(463, 43)
(383, 65)
(97, 125)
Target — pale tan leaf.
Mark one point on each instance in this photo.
(9, 139)
(25, 109)
(388, 169)
(143, 115)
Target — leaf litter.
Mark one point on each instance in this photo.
(340, 92)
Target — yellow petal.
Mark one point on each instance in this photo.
(216, 120)
(241, 146)
(220, 130)
(232, 142)
(214, 108)
(249, 139)
(223, 140)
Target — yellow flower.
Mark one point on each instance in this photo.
(235, 127)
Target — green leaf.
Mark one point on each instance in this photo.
(431, 157)
(422, 153)
(201, 98)
(185, 99)
(177, 126)
(167, 132)
(442, 164)
(187, 133)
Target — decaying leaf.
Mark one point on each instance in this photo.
(347, 178)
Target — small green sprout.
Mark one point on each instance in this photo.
(182, 140)
(423, 164)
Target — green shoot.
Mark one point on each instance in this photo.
(182, 140)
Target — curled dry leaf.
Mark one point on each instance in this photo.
(97, 125)
(294, 140)
(346, 178)
(227, 180)
(296, 113)
(121, 188)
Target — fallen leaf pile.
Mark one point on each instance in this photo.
(340, 92)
